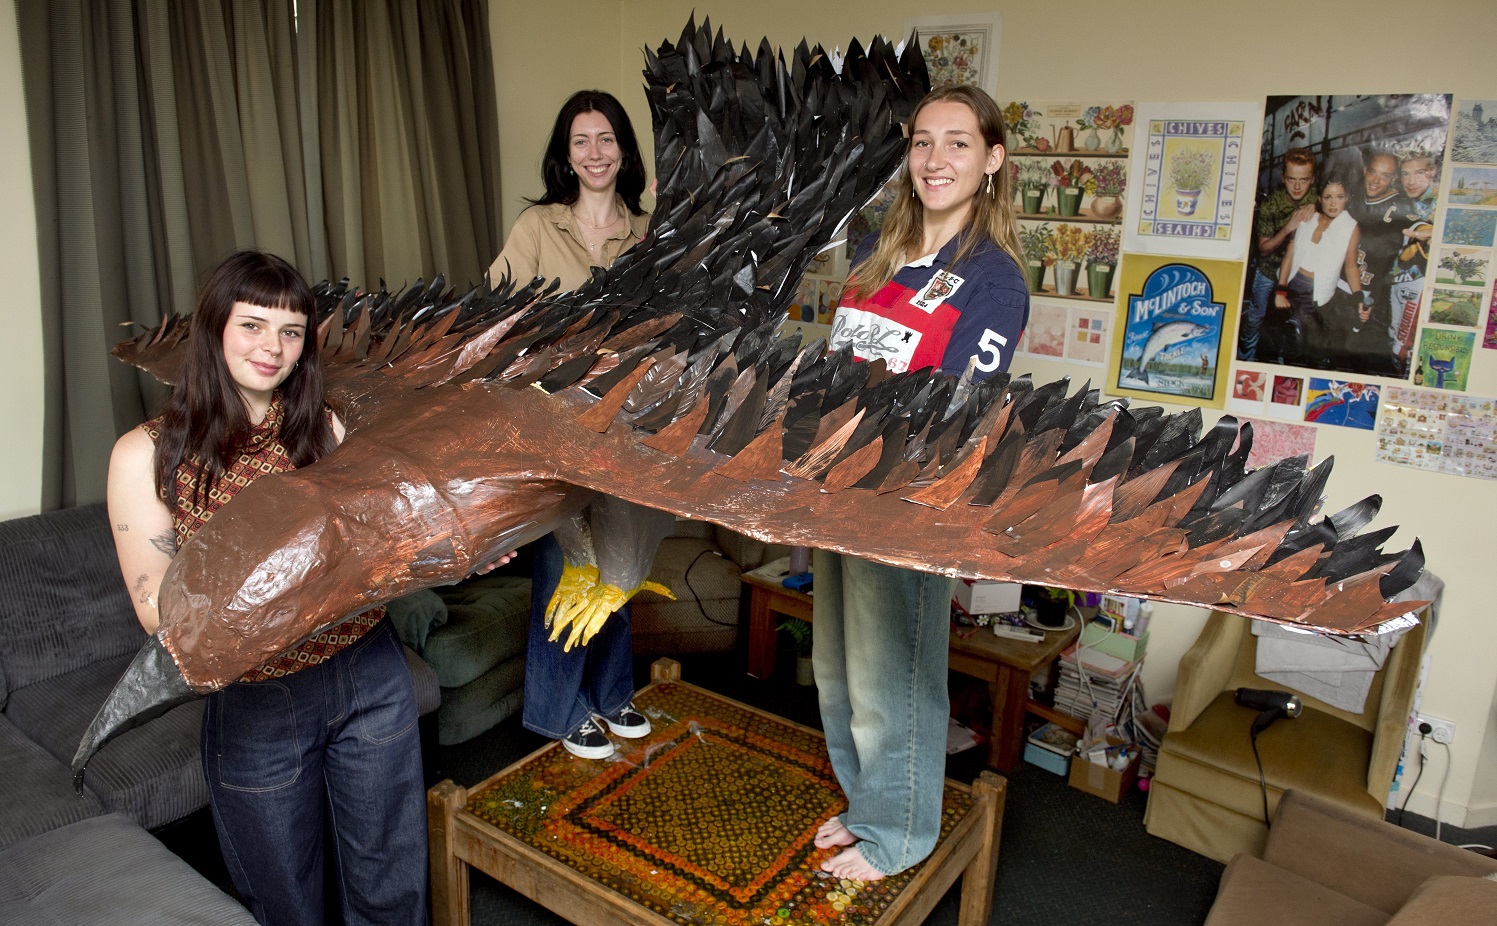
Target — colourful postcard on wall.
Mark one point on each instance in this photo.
(960, 48)
(1087, 342)
(1444, 359)
(1278, 440)
(1386, 151)
(1463, 266)
(1473, 227)
(1335, 401)
(1192, 175)
(1490, 340)
(1173, 328)
(1475, 132)
(1249, 388)
(1450, 306)
(1285, 398)
(803, 303)
(1046, 334)
(828, 292)
(1473, 186)
(1438, 432)
(1068, 163)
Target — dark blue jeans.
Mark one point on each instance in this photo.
(562, 689)
(334, 746)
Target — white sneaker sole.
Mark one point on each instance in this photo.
(588, 752)
(628, 733)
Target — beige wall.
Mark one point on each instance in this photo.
(21, 310)
(1184, 50)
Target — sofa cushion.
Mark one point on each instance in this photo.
(415, 615)
(152, 773)
(107, 870)
(1253, 892)
(1450, 900)
(704, 616)
(483, 702)
(488, 619)
(63, 603)
(39, 790)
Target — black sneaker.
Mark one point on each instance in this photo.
(628, 723)
(588, 742)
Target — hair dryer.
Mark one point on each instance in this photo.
(1271, 703)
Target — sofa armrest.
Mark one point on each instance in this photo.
(1375, 862)
(1206, 668)
(1449, 900)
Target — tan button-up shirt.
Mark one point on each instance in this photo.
(546, 242)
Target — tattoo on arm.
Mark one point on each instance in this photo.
(122, 528)
(166, 542)
(142, 593)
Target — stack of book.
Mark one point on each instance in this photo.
(1090, 678)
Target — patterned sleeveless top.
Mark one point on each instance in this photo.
(262, 455)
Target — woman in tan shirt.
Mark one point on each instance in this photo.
(588, 216)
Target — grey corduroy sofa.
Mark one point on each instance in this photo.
(67, 631)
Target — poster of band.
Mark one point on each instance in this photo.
(1347, 186)
(1173, 329)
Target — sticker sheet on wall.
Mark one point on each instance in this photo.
(1348, 405)
(1344, 181)
(1069, 166)
(1172, 328)
(1438, 432)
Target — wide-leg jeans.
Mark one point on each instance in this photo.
(880, 652)
(332, 747)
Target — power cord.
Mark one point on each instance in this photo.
(686, 577)
(1424, 731)
(1440, 798)
(1262, 782)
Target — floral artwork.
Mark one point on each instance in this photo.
(1472, 227)
(961, 49)
(1023, 123)
(1347, 405)
(1463, 267)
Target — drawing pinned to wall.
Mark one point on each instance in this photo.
(1473, 186)
(1046, 334)
(1279, 440)
(1472, 227)
(1347, 405)
(1286, 396)
(1374, 158)
(1188, 168)
(1455, 306)
(1172, 327)
(1444, 359)
(1438, 432)
(1088, 340)
(1249, 388)
(1463, 266)
(1489, 341)
(1475, 132)
(960, 49)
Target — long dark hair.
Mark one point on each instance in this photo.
(206, 421)
(556, 168)
(992, 215)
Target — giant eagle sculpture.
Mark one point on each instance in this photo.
(481, 420)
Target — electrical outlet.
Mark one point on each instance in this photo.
(1441, 731)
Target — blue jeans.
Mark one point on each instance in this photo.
(332, 746)
(879, 649)
(563, 689)
(1252, 316)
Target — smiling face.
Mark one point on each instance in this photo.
(1297, 180)
(949, 159)
(261, 347)
(1332, 199)
(1416, 175)
(593, 151)
(1379, 175)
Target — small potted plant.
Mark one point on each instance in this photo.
(1114, 119)
(1032, 177)
(1051, 605)
(1024, 123)
(800, 632)
(1088, 120)
(1073, 179)
(1110, 180)
(1101, 261)
(1189, 173)
(1038, 242)
(1070, 249)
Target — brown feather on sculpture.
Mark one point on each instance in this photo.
(478, 422)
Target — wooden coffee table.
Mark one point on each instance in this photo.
(1006, 665)
(709, 819)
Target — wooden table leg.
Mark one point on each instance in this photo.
(991, 792)
(761, 635)
(1006, 740)
(449, 874)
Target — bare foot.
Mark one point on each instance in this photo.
(833, 833)
(850, 864)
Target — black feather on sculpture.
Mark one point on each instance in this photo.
(482, 420)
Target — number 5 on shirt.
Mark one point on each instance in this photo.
(990, 350)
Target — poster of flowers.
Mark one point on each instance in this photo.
(1069, 163)
(1189, 167)
(959, 49)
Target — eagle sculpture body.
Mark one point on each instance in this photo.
(480, 421)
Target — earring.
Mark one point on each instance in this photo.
(990, 184)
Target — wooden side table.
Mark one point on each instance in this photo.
(767, 598)
(1006, 665)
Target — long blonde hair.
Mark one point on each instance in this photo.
(903, 230)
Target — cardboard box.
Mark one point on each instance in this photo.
(1107, 783)
(1050, 748)
(979, 596)
(1115, 643)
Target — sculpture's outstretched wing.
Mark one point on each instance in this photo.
(476, 421)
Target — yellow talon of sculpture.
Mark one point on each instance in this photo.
(602, 601)
(570, 595)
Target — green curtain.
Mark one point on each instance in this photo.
(354, 139)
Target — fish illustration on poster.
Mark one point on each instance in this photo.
(1172, 326)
